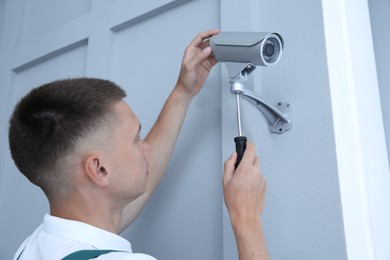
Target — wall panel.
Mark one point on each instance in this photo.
(44, 15)
(139, 45)
(186, 208)
(303, 215)
(23, 204)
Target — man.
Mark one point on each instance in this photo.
(79, 142)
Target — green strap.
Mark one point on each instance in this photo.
(20, 254)
(82, 254)
(87, 254)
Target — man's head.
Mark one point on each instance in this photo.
(59, 126)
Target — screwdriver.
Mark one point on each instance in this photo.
(239, 140)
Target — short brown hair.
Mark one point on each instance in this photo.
(48, 122)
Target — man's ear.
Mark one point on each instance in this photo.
(96, 170)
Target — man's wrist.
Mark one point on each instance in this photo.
(244, 224)
(181, 95)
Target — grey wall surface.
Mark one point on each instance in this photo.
(303, 215)
(184, 220)
(380, 25)
(140, 47)
(2, 96)
(2, 10)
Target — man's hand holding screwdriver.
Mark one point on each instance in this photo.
(244, 193)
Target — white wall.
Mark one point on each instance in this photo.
(358, 125)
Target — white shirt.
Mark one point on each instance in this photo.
(56, 238)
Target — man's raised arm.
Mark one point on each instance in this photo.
(196, 65)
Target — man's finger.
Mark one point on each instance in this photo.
(257, 161)
(229, 168)
(198, 40)
(200, 56)
(249, 154)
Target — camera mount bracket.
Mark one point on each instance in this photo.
(279, 116)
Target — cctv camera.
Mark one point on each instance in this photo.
(257, 48)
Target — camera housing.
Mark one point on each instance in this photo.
(257, 48)
(242, 52)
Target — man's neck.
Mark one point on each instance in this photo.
(99, 214)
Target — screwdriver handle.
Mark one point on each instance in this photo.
(240, 148)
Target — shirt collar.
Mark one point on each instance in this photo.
(85, 233)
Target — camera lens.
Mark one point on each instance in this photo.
(271, 49)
